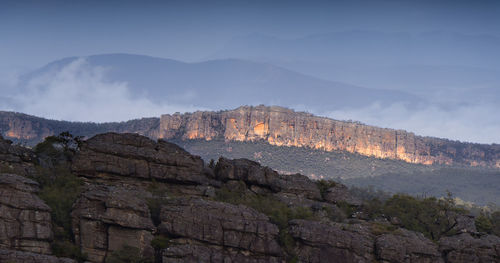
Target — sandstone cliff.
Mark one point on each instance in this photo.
(276, 126)
(284, 127)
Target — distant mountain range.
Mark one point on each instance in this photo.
(450, 63)
(226, 83)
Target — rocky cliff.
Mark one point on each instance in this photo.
(276, 126)
(284, 127)
(151, 201)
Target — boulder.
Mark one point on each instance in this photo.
(16, 159)
(221, 224)
(332, 242)
(118, 156)
(252, 173)
(340, 193)
(107, 218)
(16, 256)
(406, 246)
(464, 248)
(25, 221)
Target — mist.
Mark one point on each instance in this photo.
(477, 123)
(80, 92)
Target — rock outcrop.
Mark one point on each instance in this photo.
(253, 174)
(247, 232)
(16, 256)
(284, 127)
(157, 200)
(274, 125)
(115, 156)
(107, 218)
(406, 246)
(320, 242)
(16, 159)
(464, 248)
(25, 222)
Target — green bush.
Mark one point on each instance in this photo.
(429, 216)
(60, 191)
(489, 223)
(483, 223)
(160, 242)
(324, 185)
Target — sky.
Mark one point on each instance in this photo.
(34, 33)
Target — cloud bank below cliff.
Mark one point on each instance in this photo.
(79, 92)
(466, 122)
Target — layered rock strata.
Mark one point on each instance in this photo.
(276, 126)
(107, 219)
(284, 127)
(25, 222)
(158, 199)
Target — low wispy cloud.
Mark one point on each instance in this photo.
(465, 122)
(80, 92)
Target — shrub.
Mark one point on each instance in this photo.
(378, 228)
(429, 216)
(59, 190)
(160, 242)
(483, 223)
(324, 185)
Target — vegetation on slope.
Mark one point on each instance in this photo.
(471, 184)
(59, 189)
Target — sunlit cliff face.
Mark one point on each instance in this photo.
(284, 127)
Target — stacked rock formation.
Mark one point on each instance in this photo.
(154, 198)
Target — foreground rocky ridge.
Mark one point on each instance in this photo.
(276, 126)
(164, 204)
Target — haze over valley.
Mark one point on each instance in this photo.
(263, 131)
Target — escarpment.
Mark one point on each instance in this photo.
(283, 127)
(152, 201)
(274, 125)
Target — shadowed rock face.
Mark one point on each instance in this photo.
(220, 224)
(25, 221)
(120, 156)
(466, 248)
(15, 159)
(138, 190)
(284, 127)
(106, 219)
(27, 257)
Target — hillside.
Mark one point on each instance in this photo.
(276, 126)
(472, 184)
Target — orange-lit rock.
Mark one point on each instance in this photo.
(283, 127)
(275, 125)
